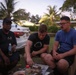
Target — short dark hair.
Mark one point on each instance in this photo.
(65, 18)
(42, 28)
(7, 20)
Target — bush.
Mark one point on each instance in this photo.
(33, 28)
(53, 29)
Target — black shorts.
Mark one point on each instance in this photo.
(69, 59)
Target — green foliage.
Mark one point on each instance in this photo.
(35, 19)
(53, 29)
(72, 26)
(51, 16)
(69, 5)
(33, 28)
(7, 9)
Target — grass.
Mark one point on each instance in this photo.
(51, 43)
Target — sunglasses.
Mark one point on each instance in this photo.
(63, 23)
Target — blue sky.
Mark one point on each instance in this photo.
(38, 6)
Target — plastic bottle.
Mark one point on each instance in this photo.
(9, 48)
(27, 70)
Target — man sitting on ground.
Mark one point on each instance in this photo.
(7, 62)
(37, 44)
(64, 48)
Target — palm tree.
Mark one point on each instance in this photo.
(7, 8)
(21, 14)
(69, 5)
(51, 16)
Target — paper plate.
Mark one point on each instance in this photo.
(19, 73)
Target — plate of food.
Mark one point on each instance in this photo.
(39, 69)
(36, 70)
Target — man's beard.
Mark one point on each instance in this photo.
(6, 30)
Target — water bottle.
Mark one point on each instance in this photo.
(27, 70)
(9, 48)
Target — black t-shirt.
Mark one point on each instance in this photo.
(5, 39)
(37, 43)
